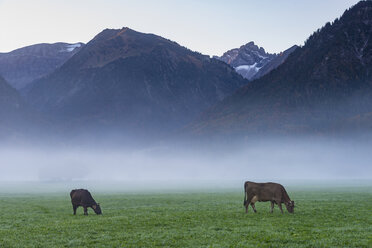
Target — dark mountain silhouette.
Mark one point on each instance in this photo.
(10, 100)
(22, 66)
(131, 80)
(12, 108)
(274, 63)
(324, 86)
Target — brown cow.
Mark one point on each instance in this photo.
(82, 197)
(262, 192)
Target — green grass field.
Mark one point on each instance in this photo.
(323, 218)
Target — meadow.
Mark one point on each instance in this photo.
(324, 217)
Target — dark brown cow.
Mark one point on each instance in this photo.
(262, 192)
(82, 197)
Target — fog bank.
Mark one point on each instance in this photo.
(264, 160)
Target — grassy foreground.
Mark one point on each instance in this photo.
(327, 218)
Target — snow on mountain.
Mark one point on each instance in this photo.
(24, 65)
(274, 63)
(248, 59)
(323, 87)
(71, 47)
(247, 71)
(129, 81)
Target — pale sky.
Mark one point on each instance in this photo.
(207, 26)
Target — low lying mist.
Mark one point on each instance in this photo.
(189, 164)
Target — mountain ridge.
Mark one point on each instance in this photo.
(320, 85)
(247, 60)
(252, 61)
(22, 66)
(128, 79)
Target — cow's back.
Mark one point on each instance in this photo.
(81, 196)
(265, 191)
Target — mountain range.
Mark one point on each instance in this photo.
(253, 62)
(22, 66)
(131, 80)
(125, 81)
(324, 86)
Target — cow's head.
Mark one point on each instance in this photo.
(290, 206)
(97, 208)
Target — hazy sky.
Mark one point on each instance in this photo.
(208, 26)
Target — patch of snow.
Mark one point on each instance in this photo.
(247, 67)
(259, 55)
(247, 71)
(71, 47)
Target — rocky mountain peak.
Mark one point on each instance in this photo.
(248, 59)
(132, 80)
(323, 86)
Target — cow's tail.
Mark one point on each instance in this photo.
(245, 196)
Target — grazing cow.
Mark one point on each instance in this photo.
(262, 192)
(82, 197)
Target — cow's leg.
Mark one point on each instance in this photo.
(253, 201)
(254, 207)
(246, 206)
(74, 207)
(249, 198)
(280, 206)
(272, 207)
(85, 210)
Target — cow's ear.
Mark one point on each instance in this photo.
(293, 203)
